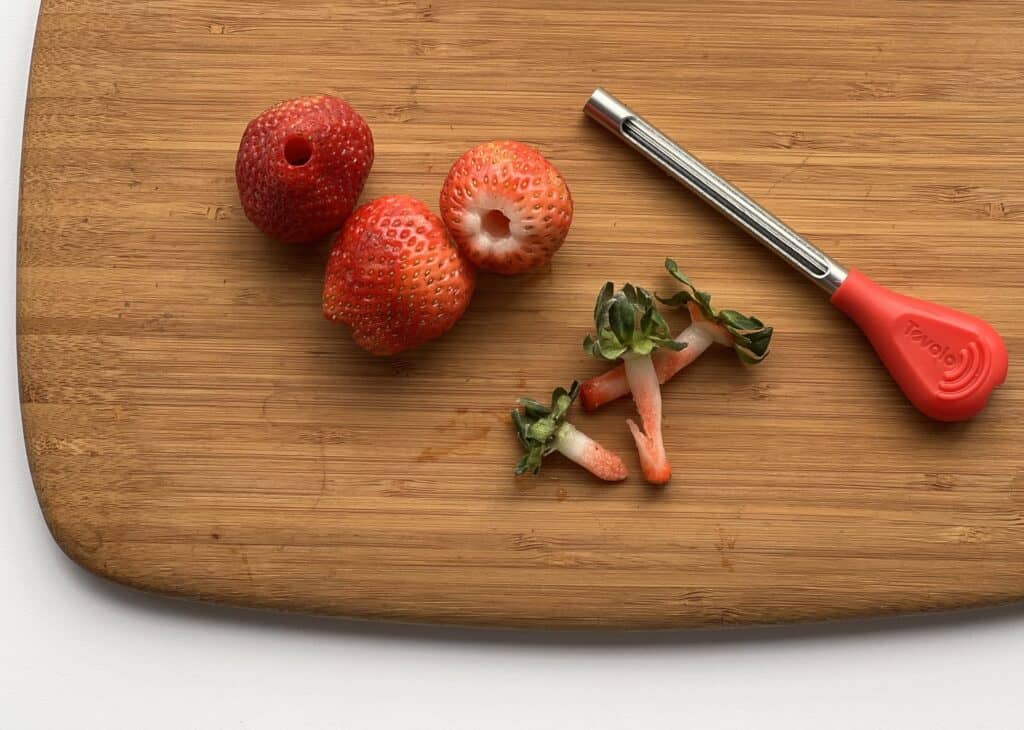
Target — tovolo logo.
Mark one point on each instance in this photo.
(936, 349)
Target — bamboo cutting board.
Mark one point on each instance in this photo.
(196, 428)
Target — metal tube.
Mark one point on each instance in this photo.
(691, 172)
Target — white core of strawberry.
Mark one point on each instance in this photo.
(580, 448)
(718, 334)
(574, 444)
(697, 338)
(493, 224)
(643, 381)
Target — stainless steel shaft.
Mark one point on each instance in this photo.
(691, 172)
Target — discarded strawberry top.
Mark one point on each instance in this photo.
(748, 336)
(629, 326)
(542, 430)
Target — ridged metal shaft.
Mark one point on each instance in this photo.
(691, 172)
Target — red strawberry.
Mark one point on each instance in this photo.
(394, 277)
(301, 167)
(507, 207)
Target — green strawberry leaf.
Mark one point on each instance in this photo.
(622, 318)
(602, 299)
(752, 348)
(533, 408)
(561, 400)
(677, 300)
(521, 428)
(670, 344)
(627, 321)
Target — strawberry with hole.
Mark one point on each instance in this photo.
(507, 207)
(395, 277)
(301, 167)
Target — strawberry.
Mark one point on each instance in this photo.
(395, 277)
(301, 167)
(507, 207)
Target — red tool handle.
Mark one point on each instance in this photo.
(945, 361)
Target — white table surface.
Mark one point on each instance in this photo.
(77, 652)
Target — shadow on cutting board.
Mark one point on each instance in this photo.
(173, 609)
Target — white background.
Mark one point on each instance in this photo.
(76, 652)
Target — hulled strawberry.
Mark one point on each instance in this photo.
(507, 207)
(395, 277)
(301, 166)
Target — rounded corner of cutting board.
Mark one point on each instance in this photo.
(74, 539)
(98, 228)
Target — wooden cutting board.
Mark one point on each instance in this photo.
(196, 428)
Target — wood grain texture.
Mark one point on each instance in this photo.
(195, 428)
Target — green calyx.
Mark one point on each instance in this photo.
(627, 323)
(751, 337)
(537, 426)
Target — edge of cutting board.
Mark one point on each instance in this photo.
(69, 477)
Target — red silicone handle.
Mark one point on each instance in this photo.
(946, 362)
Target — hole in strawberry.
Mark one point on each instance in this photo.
(496, 224)
(297, 150)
